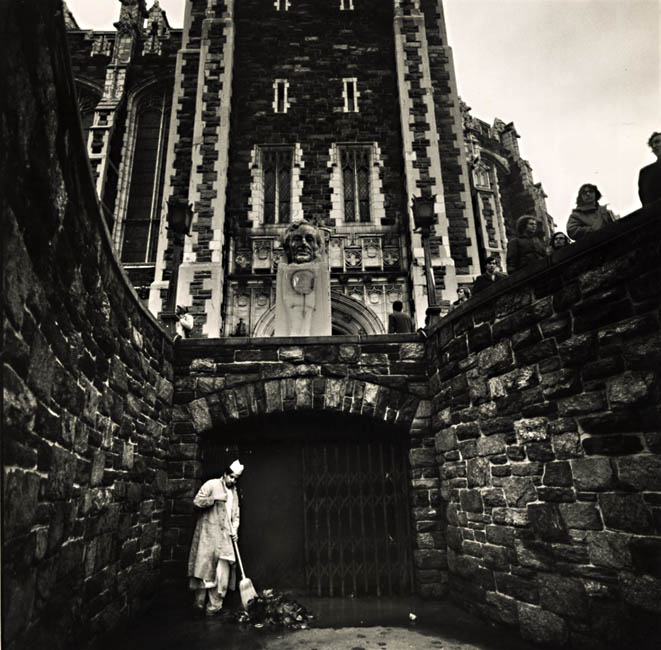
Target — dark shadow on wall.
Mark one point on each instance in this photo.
(87, 375)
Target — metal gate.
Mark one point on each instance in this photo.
(327, 518)
(355, 509)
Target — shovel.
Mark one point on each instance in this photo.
(246, 590)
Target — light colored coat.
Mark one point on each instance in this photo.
(585, 222)
(212, 540)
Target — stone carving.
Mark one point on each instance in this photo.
(261, 254)
(372, 253)
(391, 257)
(336, 253)
(156, 30)
(302, 302)
(353, 258)
(242, 261)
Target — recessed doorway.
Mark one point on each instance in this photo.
(324, 504)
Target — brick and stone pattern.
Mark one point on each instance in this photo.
(379, 378)
(454, 170)
(179, 161)
(546, 417)
(314, 46)
(87, 373)
(420, 138)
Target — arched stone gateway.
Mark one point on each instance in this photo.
(334, 462)
(324, 501)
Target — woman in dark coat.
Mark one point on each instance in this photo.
(588, 216)
(526, 247)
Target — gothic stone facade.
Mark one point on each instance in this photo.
(259, 113)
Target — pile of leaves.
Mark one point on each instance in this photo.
(273, 609)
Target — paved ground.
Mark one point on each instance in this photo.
(348, 624)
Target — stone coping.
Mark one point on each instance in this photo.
(201, 344)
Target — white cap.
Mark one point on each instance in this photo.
(237, 468)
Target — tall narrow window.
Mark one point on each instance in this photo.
(146, 187)
(346, 5)
(356, 183)
(277, 170)
(280, 101)
(281, 5)
(350, 94)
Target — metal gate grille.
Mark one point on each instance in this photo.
(355, 508)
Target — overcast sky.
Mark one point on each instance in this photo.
(580, 79)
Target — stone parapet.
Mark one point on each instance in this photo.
(545, 413)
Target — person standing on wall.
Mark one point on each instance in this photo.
(491, 274)
(211, 562)
(588, 216)
(649, 179)
(526, 247)
(185, 323)
(398, 321)
(558, 240)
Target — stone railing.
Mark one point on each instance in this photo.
(545, 411)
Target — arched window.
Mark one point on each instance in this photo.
(147, 171)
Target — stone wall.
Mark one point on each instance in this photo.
(86, 371)
(545, 411)
(219, 383)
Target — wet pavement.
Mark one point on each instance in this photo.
(339, 624)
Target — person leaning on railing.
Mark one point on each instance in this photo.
(491, 274)
(588, 216)
(558, 240)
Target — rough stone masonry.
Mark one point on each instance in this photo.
(532, 412)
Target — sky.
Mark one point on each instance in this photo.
(580, 80)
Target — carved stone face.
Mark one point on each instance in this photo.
(302, 243)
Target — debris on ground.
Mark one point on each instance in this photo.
(273, 609)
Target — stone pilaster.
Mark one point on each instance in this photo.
(197, 160)
(447, 109)
(422, 162)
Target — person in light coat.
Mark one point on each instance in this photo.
(588, 216)
(211, 560)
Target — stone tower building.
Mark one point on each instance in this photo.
(262, 112)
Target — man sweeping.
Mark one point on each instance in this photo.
(211, 563)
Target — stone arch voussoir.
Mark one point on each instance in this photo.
(301, 393)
